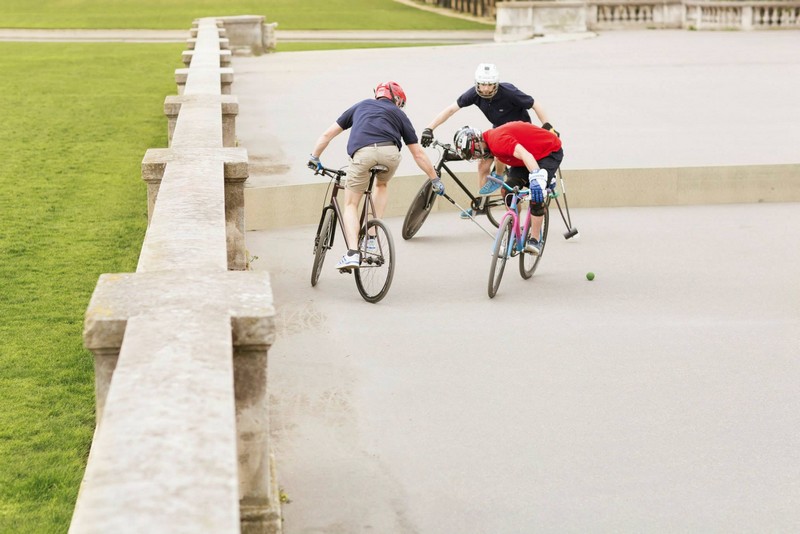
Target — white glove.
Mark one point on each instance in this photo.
(538, 180)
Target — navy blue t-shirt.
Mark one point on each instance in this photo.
(507, 105)
(376, 121)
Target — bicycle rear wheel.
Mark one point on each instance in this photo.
(419, 210)
(527, 261)
(374, 276)
(500, 253)
(323, 241)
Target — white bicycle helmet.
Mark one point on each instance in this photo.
(486, 75)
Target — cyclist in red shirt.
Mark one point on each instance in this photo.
(532, 155)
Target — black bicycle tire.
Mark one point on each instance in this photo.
(323, 242)
(500, 252)
(363, 273)
(495, 208)
(418, 210)
(524, 272)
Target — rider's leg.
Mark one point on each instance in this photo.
(350, 216)
(536, 226)
(380, 196)
(484, 166)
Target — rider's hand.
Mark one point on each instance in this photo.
(549, 127)
(438, 186)
(538, 185)
(426, 138)
(314, 163)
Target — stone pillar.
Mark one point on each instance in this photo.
(105, 361)
(259, 506)
(225, 77)
(245, 33)
(230, 109)
(235, 174)
(224, 58)
(747, 17)
(244, 296)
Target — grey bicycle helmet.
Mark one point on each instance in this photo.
(468, 145)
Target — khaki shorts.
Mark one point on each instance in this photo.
(369, 156)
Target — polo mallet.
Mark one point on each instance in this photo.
(571, 230)
(472, 218)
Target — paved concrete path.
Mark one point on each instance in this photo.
(683, 99)
(661, 397)
(179, 36)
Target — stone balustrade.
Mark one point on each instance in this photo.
(711, 15)
(616, 15)
(180, 346)
(517, 20)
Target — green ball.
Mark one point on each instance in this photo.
(590, 276)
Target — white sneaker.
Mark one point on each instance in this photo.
(348, 262)
(372, 245)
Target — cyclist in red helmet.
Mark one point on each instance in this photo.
(378, 127)
(500, 102)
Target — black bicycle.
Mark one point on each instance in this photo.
(493, 206)
(375, 244)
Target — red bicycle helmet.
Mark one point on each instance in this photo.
(393, 92)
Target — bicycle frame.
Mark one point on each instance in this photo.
(448, 154)
(367, 209)
(517, 244)
(423, 201)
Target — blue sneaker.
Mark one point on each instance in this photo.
(466, 214)
(533, 246)
(489, 188)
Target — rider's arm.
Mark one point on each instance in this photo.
(539, 113)
(322, 143)
(526, 157)
(445, 114)
(422, 160)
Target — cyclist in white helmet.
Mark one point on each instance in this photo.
(501, 103)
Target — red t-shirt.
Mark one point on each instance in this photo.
(503, 139)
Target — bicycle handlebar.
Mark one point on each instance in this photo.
(521, 193)
(451, 154)
(327, 171)
(516, 189)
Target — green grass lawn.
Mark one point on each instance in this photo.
(179, 14)
(77, 120)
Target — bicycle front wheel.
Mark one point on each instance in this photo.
(419, 210)
(500, 253)
(374, 276)
(323, 242)
(527, 261)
